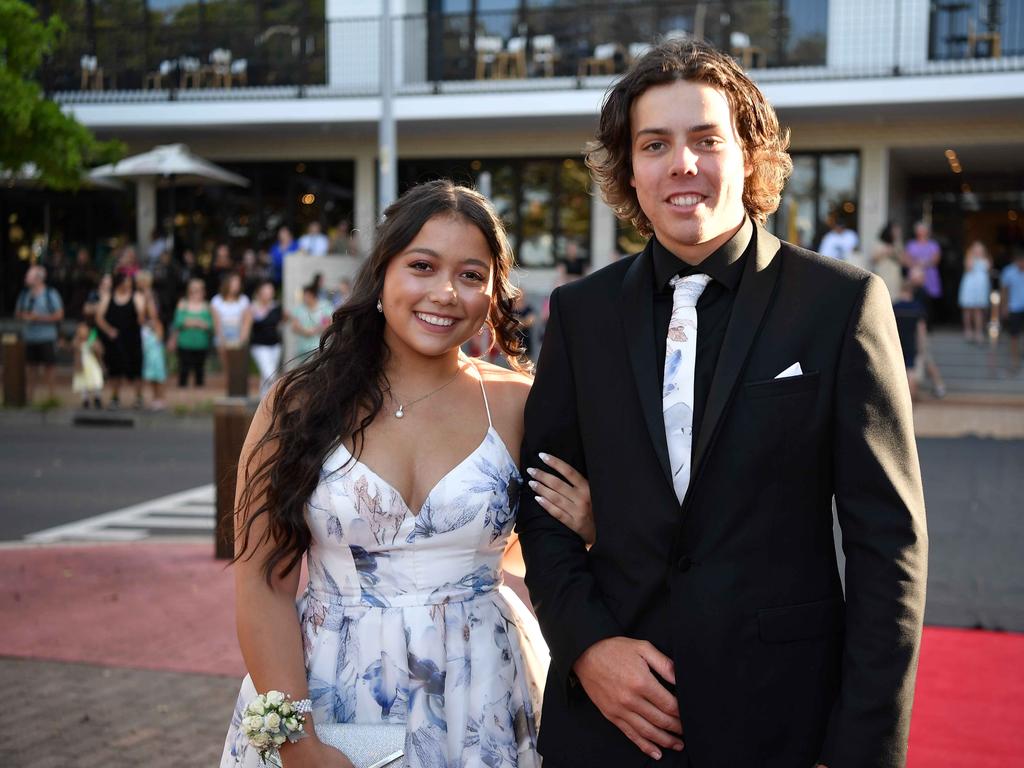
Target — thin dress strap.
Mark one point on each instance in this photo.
(487, 406)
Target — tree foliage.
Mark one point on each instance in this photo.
(34, 131)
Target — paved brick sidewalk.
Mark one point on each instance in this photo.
(89, 716)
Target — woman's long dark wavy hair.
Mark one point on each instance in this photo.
(336, 393)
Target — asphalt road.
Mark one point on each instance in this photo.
(54, 473)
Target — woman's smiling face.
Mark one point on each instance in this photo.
(438, 289)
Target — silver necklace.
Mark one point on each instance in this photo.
(402, 406)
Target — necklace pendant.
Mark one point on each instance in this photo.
(400, 412)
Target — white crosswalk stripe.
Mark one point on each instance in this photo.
(186, 513)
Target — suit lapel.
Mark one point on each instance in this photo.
(755, 294)
(638, 319)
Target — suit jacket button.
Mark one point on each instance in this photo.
(684, 563)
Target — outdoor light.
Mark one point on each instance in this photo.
(950, 154)
(308, 199)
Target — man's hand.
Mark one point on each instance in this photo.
(617, 675)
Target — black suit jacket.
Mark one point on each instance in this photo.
(740, 584)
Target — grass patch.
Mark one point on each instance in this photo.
(47, 404)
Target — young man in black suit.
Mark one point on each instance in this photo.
(707, 626)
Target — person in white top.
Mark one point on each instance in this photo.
(231, 321)
(839, 242)
(314, 242)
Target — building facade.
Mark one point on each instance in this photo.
(899, 110)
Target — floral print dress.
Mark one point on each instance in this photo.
(405, 619)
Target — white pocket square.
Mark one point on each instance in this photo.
(793, 370)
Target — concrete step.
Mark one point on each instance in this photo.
(974, 368)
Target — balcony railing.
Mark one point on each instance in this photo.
(183, 58)
(533, 47)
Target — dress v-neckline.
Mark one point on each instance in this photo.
(440, 480)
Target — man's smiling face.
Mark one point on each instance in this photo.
(688, 166)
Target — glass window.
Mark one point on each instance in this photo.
(536, 243)
(838, 185)
(796, 220)
(573, 205)
(823, 185)
(976, 30)
(543, 203)
(803, 33)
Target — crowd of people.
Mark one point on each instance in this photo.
(139, 320)
(910, 270)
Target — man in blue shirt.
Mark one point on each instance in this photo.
(1012, 281)
(285, 245)
(41, 310)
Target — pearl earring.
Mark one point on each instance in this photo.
(380, 307)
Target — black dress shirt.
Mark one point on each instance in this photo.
(714, 307)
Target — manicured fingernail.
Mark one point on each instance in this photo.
(655, 754)
(533, 484)
(540, 500)
(544, 457)
(678, 747)
(531, 471)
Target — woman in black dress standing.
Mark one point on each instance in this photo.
(121, 316)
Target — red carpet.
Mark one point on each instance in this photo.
(171, 607)
(969, 704)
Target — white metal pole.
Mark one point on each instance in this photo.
(387, 189)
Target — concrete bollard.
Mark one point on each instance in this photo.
(237, 363)
(231, 419)
(15, 383)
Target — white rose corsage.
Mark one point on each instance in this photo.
(271, 719)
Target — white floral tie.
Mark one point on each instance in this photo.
(677, 392)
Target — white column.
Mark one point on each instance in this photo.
(366, 197)
(145, 213)
(874, 195)
(603, 225)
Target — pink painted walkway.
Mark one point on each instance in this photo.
(170, 607)
(144, 605)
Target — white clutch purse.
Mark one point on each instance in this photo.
(367, 746)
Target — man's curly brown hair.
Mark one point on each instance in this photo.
(764, 144)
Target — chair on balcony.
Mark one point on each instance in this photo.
(602, 62)
(190, 70)
(92, 73)
(240, 72)
(511, 63)
(636, 50)
(218, 74)
(544, 54)
(487, 49)
(155, 80)
(749, 55)
(990, 39)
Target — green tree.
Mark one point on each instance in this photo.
(34, 131)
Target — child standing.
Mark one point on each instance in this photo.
(154, 364)
(87, 381)
(912, 330)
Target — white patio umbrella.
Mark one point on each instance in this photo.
(169, 165)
